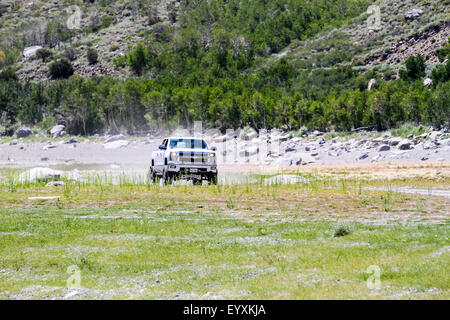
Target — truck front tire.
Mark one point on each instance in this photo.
(212, 178)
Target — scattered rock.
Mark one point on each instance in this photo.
(427, 82)
(57, 131)
(394, 141)
(13, 143)
(372, 82)
(249, 151)
(404, 145)
(363, 156)
(56, 184)
(49, 146)
(23, 132)
(45, 159)
(384, 148)
(414, 13)
(116, 144)
(115, 138)
(71, 141)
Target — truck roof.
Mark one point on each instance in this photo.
(186, 138)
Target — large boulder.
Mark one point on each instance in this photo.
(57, 131)
(395, 141)
(384, 148)
(23, 132)
(30, 51)
(405, 144)
(247, 152)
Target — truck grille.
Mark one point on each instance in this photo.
(193, 157)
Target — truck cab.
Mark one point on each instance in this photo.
(186, 158)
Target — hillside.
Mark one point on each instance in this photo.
(291, 64)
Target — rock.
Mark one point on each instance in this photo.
(384, 148)
(377, 157)
(115, 138)
(40, 174)
(430, 145)
(56, 184)
(57, 131)
(13, 143)
(249, 136)
(363, 156)
(45, 159)
(394, 141)
(427, 82)
(414, 13)
(223, 138)
(23, 132)
(424, 158)
(290, 149)
(404, 144)
(247, 152)
(372, 82)
(322, 141)
(116, 144)
(315, 154)
(71, 141)
(285, 179)
(50, 146)
(434, 135)
(30, 51)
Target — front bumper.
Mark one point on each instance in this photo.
(188, 168)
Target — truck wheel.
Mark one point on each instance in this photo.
(166, 178)
(212, 179)
(151, 177)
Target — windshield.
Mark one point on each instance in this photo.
(188, 144)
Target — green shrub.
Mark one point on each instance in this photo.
(61, 69)
(107, 21)
(114, 47)
(415, 68)
(70, 54)
(8, 75)
(137, 59)
(44, 54)
(92, 56)
(342, 230)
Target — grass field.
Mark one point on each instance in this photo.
(304, 241)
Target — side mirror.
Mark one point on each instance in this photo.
(213, 149)
(162, 147)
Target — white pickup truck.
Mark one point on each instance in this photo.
(186, 158)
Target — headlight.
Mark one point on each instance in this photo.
(173, 156)
(212, 156)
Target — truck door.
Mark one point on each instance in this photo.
(160, 156)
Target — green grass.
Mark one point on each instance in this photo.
(407, 129)
(240, 241)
